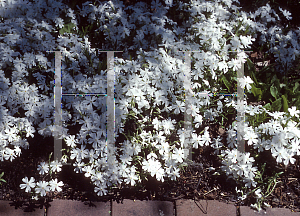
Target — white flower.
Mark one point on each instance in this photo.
(198, 121)
(294, 112)
(59, 22)
(168, 125)
(179, 107)
(246, 159)
(28, 184)
(296, 145)
(42, 187)
(286, 13)
(246, 81)
(43, 168)
(131, 177)
(235, 64)
(54, 185)
(88, 171)
(246, 40)
(9, 154)
(55, 166)
(100, 190)
(251, 136)
(71, 141)
(280, 153)
(235, 42)
(223, 66)
(289, 158)
(178, 155)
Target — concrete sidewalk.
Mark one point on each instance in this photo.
(181, 207)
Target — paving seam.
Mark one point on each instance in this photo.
(175, 209)
(111, 207)
(238, 210)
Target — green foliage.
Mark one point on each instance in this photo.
(276, 90)
(1, 179)
(226, 82)
(256, 92)
(67, 28)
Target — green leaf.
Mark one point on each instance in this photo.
(295, 87)
(1, 174)
(225, 81)
(276, 105)
(297, 103)
(274, 91)
(285, 103)
(256, 92)
(67, 28)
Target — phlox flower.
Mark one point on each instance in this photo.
(9, 154)
(235, 64)
(156, 123)
(296, 145)
(232, 155)
(168, 125)
(242, 169)
(43, 168)
(100, 190)
(246, 40)
(59, 22)
(179, 107)
(54, 185)
(42, 187)
(251, 136)
(71, 141)
(198, 121)
(286, 13)
(126, 158)
(249, 182)
(294, 112)
(289, 158)
(206, 137)
(196, 140)
(28, 184)
(246, 159)
(223, 66)
(131, 177)
(11, 133)
(280, 154)
(98, 178)
(280, 139)
(178, 155)
(235, 43)
(246, 81)
(88, 171)
(55, 166)
(192, 110)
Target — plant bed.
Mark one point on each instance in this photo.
(195, 182)
(153, 114)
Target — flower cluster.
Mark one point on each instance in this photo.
(42, 187)
(150, 88)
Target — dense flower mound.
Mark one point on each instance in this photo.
(150, 86)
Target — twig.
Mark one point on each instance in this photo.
(217, 188)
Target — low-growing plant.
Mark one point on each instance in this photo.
(150, 89)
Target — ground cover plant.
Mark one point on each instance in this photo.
(149, 91)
